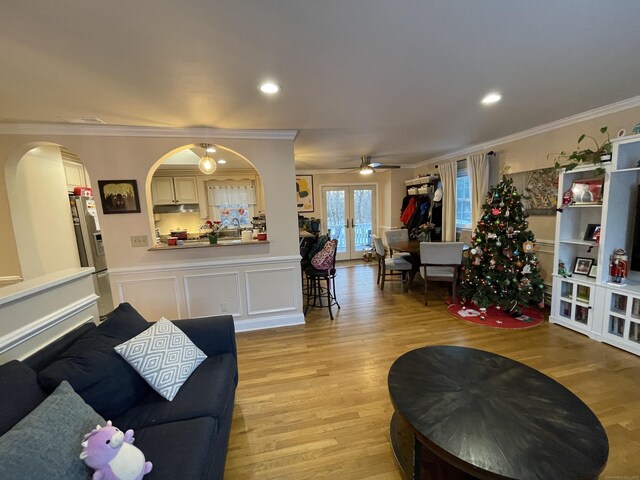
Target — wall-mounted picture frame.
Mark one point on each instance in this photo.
(592, 233)
(587, 191)
(593, 271)
(119, 196)
(582, 265)
(304, 193)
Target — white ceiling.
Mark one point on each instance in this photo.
(399, 80)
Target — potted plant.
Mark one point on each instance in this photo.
(213, 234)
(600, 152)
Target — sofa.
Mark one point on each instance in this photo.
(83, 380)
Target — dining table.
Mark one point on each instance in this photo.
(412, 247)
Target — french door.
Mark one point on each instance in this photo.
(349, 213)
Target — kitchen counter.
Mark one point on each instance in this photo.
(206, 244)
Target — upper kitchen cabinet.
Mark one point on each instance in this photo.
(74, 171)
(174, 190)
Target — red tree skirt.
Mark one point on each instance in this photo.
(496, 318)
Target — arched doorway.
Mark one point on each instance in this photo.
(54, 230)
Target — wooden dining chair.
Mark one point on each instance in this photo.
(440, 261)
(389, 267)
(396, 235)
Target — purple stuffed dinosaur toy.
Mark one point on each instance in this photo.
(112, 454)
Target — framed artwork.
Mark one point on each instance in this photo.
(304, 193)
(592, 232)
(582, 265)
(587, 191)
(593, 271)
(119, 196)
(539, 190)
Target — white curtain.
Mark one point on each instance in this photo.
(448, 173)
(233, 195)
(478, 167)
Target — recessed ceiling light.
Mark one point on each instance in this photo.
(490, 98)
(270, 88)
(222, 160)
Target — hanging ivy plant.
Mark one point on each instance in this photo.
(597, 153)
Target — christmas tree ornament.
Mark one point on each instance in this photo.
(506, 213)
(495, 211)
(527, 246)
(501, 204)
(498, 243)
(516, 253)
(526, 269)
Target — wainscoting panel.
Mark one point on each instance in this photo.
(270, 290)
(212, 294)
(259, 292)
(36, 312)
(156, 296)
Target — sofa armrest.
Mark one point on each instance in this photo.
(212, 335)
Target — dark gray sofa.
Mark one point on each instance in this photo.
(185, 439)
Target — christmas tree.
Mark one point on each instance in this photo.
(502, 269)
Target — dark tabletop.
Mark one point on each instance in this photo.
(495, 417)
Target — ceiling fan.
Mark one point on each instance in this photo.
(368, 167)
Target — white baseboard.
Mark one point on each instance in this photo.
(251, 324)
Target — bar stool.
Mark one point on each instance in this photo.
(320, 289)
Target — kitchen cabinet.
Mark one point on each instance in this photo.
(75, 175)
(174, 190)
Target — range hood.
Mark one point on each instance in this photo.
(179, 208)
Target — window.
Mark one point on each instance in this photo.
(232, 202)
(463, 197)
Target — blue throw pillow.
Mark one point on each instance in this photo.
(46, 443)
(19, 393)
(95, 371)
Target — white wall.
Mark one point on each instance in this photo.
(41, 216)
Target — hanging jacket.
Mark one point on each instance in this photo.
(408, 212)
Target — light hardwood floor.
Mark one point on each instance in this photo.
(313, 403)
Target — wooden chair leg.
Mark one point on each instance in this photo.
(329, 296)
(335, 298)
(426, 283)
(384, 275)
(454, 296)
(379, 271)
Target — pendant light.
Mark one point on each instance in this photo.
(207, 164)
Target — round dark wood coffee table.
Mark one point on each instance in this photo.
(464, 414)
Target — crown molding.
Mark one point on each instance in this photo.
(547, 127)
(135, 131)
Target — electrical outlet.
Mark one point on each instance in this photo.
(139, 240)
(224, 307)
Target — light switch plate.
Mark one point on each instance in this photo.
(139, 240)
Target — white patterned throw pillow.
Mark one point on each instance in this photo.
(164, 356)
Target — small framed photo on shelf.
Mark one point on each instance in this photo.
(587, 191)
(592, 233)
(582, 265)
(593, 271)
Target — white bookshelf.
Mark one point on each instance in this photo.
(605, 312)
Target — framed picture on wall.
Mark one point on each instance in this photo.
(119, 196)
(304, 193)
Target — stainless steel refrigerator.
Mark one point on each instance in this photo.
(90, 248)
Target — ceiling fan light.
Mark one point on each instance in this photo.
(207, 164)
(366, 170)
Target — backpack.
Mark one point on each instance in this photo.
(323, 260)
